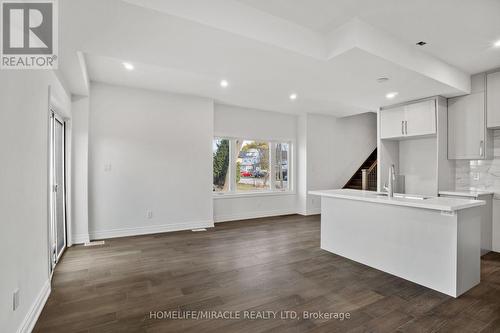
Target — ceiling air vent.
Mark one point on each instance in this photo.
(382, 79)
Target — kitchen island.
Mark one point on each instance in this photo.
(433, 241)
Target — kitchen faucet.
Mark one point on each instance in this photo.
(390, 183)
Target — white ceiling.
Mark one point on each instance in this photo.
(330, 52)
(460, 32)
(319, 15)
(321, 88)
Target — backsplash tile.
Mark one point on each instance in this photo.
(480, 175)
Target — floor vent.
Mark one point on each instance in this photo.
(198, 230)
(96, 243)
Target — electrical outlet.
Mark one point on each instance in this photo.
(149, 214)
(107, 167)
(15, 299)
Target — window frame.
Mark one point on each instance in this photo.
(232, 192)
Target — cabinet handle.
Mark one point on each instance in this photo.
(406, 127)
(402, 127)
(481, 148)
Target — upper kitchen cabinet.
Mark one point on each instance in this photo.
(493, 99)
(410, 120)
(413, 137)
(420, 118)
(467, 127)
(468, 138)
(392, 122)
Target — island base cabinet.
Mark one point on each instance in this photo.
(439, 250)
(486, 219)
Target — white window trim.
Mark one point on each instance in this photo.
(233, 193)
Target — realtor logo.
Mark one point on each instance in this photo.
(29, 34)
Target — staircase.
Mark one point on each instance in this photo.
(369, 167)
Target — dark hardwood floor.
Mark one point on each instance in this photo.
(271, 264)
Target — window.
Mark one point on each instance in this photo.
(252, 166)
(247, 166)
(220, 150)
(281, 165)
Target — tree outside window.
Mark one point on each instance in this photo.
(220, 149)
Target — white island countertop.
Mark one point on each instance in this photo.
(433, 203)
(467, 193)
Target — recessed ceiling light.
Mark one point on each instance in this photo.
(421, 43)
(293, 97)
(391, 95)
(224, 83)
(128, 66)
(497, 43)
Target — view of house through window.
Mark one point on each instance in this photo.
(244, 165)
(252, 166)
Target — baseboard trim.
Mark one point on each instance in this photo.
(314, 211)
(80, 238)
(31, 318)
(253, 215)
(153, 229)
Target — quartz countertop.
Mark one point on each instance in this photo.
(434, 203)
(467, 193)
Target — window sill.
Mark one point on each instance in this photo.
(231, 195)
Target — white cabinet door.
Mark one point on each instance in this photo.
(493, 99)
(392, 123)
(466, 127)
(420, 118)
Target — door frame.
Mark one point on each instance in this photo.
(52, 225)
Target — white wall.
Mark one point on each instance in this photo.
(417, 162)
(327, 152)
(335, 149)
(302, 174)
(24, 115)
(148, 151)
(80, 142)
(134, 141)
(232, 121)
(240, 122)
